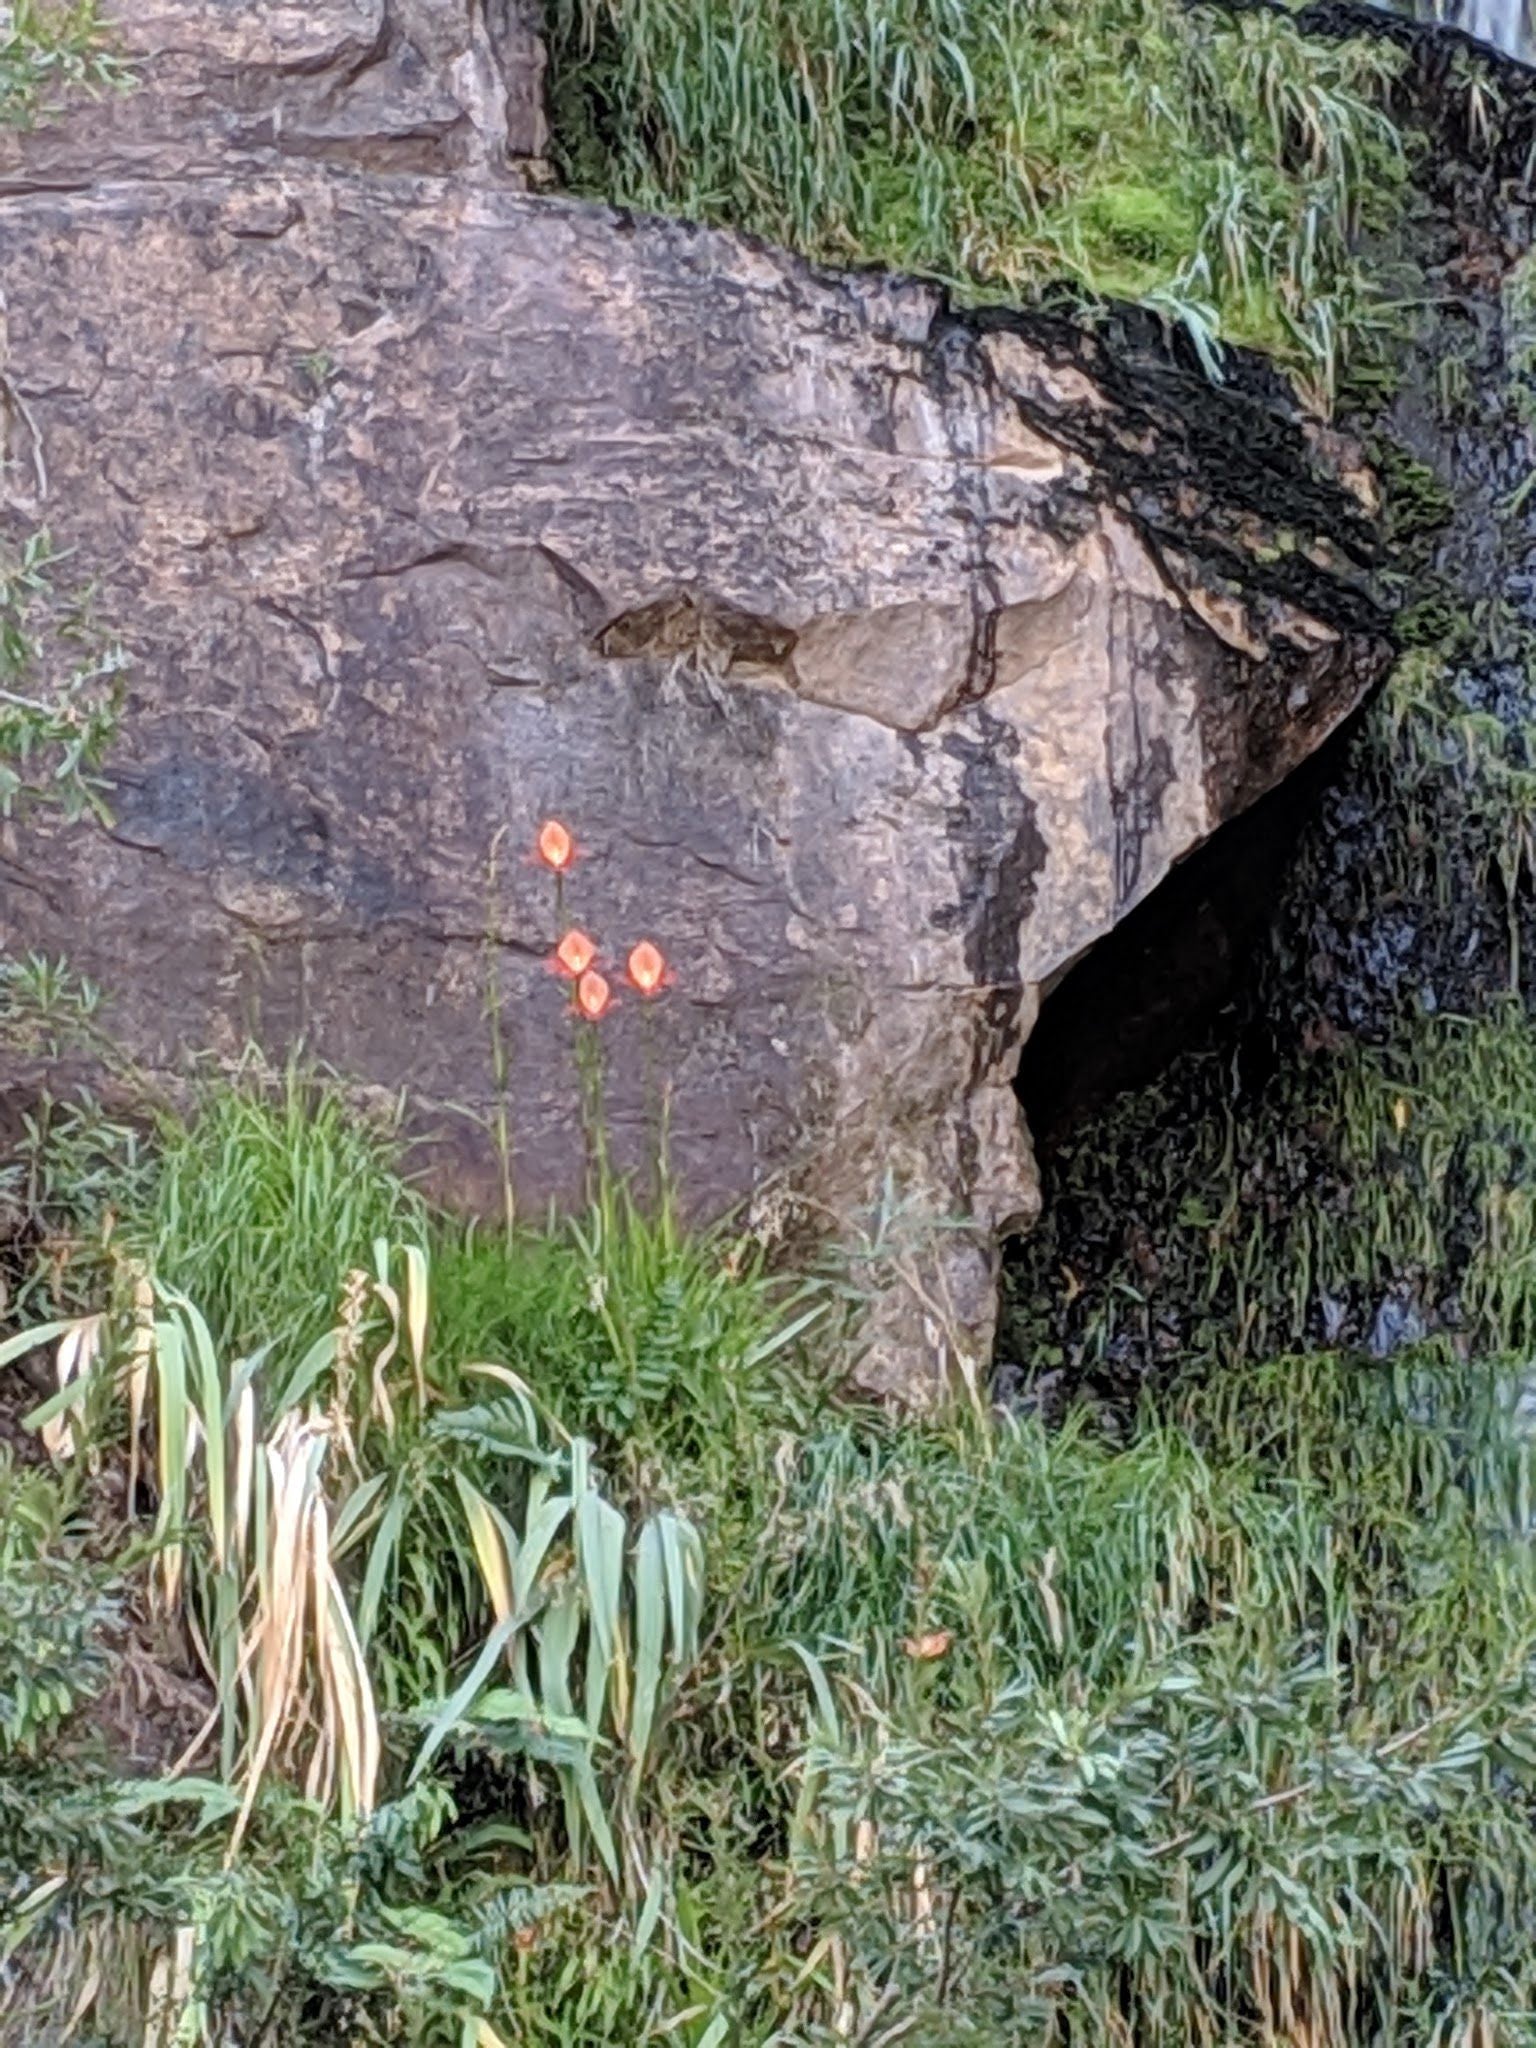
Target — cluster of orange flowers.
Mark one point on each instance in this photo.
(575, 957)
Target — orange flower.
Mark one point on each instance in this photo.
(593, 995)
(574, 954)
(647, 968)
(925, 1649)
(556, 848)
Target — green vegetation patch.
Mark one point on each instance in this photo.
(418, 1633)
(635, 1688)
(264, 1199)
(59, 689)
(1219, 166)
(60, 696)
(47, 47)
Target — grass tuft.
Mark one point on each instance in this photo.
(47, 48)
(1219, 166)
(264, 1199)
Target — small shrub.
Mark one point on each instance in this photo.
(630, 1328)
(53, 1610)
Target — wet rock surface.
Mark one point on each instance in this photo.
(879, 659)
(1332, 1157)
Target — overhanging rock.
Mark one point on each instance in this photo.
(879, 658)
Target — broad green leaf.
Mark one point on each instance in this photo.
(683, 1563)
(351, 1523)
(501, 1703)
(70, 1395)
(210, 1398)
(213, 1800)
(541, 1527)
(518, 1387)
(454, 1707)
(33, 1339)
(242, 1375)
(556, 1634)
(597, 1820)
(473, 1978)
(600, 1560)
(650, 1628)
(20, 1918)
(173, 1433)
(650, 1911)
(319, 1358)
(381, 1559)
(496, 1547)
(830, 1730)
(781, 1339)
(416, 1299)
(351, 1691)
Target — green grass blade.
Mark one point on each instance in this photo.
(457, 1704)
(650, 1631)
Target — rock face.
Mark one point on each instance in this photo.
(879, 658)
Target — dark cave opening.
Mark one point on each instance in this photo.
(1170, 974)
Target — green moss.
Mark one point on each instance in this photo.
(1418, 502)
(1140, 222)
(1435, 620)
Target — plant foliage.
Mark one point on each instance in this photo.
(58, 692)
(1218, 165)
(46, 47)
(742, 1716)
